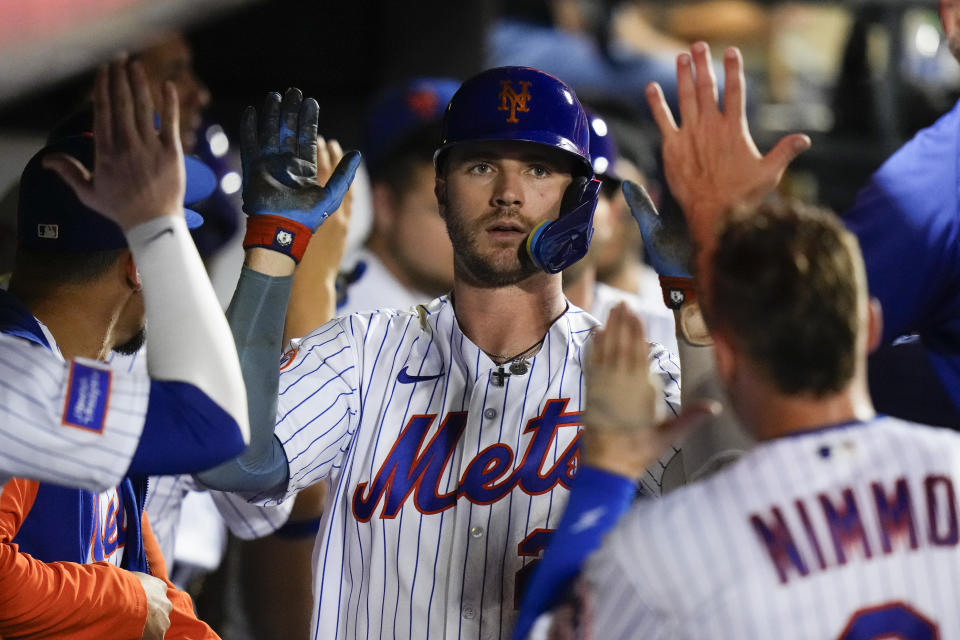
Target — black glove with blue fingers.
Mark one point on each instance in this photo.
(281, 194)
(666, 240)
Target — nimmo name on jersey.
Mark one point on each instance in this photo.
(893, 516)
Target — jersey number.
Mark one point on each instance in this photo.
(529, 547)
(891, 620)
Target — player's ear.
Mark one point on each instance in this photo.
(385, 207)
(440, 190)
(130, 271)
(874, 325)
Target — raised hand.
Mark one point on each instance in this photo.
(711, 162)
(138, 172)
(622, 431)
(620, 391)
(279, 156)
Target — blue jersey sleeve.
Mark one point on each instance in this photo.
(184, 431)
(906, 220)
(597, 500)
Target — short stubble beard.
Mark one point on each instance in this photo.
(477, 269)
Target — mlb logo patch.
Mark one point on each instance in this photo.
(88, 393)
(51, 231)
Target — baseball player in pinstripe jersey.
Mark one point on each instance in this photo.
(840, 523)
(37, 386)
(75, 563)
(448, 434)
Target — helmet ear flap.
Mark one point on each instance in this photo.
(573, 194)
(553, 246)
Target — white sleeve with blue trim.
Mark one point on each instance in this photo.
(317, 403)
(71, 423)
(249, 521)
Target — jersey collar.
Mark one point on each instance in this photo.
(446, 342)
(16, 320)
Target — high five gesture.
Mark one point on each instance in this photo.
(711, 161)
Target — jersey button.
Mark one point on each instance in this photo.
(490, 413)
(469, 613)
(476, 532)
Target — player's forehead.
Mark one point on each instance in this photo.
(518, 150)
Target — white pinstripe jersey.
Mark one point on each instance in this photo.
(41, 399)
(849, 532)
(443, 485)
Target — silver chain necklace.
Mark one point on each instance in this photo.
(517, 364)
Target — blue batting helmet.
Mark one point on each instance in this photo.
(518, 103)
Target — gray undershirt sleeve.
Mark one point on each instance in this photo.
(256, 315)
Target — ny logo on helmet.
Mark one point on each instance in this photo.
(512, 101)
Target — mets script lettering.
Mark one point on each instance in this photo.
(109, 527)
(412, 468)
(512, 101)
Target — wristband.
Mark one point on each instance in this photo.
(677, 291)
(277, 234)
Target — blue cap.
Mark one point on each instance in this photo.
(201, 179)
(603, 150)
(403, 112)
(51, 217)
(518, 103)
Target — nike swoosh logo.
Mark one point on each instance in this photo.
(158, 234)
(405, 378)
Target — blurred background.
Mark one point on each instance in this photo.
(859, 76)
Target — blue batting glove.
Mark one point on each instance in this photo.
(279, 160)
(666, 238)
